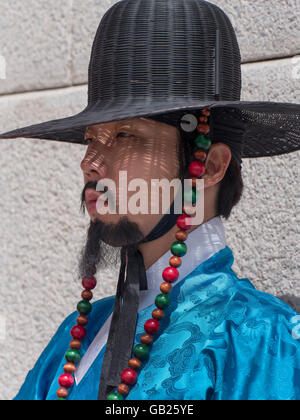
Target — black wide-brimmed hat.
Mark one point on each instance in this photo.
(160, 57)
(163, 59)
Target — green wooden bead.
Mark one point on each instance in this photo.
(190, 196)
(84, 307)
(162, 301)
(141, 351)
(114, 396)
(203, 142)
(61, 399)
(179, 249)
(73, 356)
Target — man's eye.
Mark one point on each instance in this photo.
(124, 134)
(121, 134)
(88, 141)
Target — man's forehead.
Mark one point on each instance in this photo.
(137, 123)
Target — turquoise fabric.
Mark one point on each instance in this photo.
(221, 339)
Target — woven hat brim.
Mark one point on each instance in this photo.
(272, 128)
(71, 129)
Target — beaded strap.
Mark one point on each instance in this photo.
(170, 274)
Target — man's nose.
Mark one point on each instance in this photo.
(93, 166)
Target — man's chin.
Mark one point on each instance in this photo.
(107, 231)
(105, 219)
(113, 241)
(117, 230)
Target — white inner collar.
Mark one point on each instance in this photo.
(202, 243)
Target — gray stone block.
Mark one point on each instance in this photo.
(35, 107)
(86, 19)
(265, 29)
(35, 40)
(274, 80)
(264, 227)
(42, 231)
(49, 45)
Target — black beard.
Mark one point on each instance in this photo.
(104, 240)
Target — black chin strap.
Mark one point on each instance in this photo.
(122, 330)
(123, 325)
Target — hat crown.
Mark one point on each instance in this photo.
(159, 50)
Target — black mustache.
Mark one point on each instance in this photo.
(89, 185)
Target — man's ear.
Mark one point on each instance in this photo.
(216, 164)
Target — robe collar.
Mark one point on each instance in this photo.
(202, 243)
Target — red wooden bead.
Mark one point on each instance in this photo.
(175, 261)
(89, 283)
(123, 389)
(166, 288)
(181, 235)
(66, 380)
(69, 368)
(152, 326)
(200, 155)
(170, 274)
(203, 128)
(87, 295)
(129, 376)
(78, 332)
(203, 119)
(192, 182)
(197, 168)
(205, 112)
(158, 314)
(82, 320)
(135, 363)
(75, 344)
(184, 222)
(147, 339)
(189, 210)
(62, 393)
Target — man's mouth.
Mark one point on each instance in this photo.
(93, 197)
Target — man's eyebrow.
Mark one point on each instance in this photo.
(127, 126)
(132, 125)
(136, 126)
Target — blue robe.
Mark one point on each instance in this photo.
(221, 339)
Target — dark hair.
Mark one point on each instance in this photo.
(231, 189)
(231, 186)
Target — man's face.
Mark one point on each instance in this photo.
(143, 149)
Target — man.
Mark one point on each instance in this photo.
(168, 108)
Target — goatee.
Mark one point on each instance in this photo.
(103, 242)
